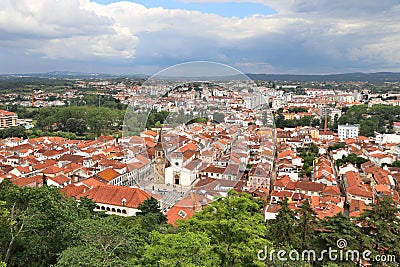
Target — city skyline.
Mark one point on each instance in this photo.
(259, 36)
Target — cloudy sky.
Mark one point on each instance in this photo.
(146, 36)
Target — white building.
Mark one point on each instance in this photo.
(347, 131)
(7, 119)
(278, 102)
(116, 200)
(387, 138)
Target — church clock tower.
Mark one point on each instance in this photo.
(160, 162)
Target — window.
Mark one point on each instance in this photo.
(182, 214)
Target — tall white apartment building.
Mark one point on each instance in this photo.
(347, 131)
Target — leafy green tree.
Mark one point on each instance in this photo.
(103, 241)
(304, 121)
(297, 110)
(96, 119)
(308, 154)
(87, 256)
(4, 221)
(4, 214)
(306, 225)
(352, 158)
(151, 213)
(337, 227)
(336, 146)
(335, 122)
(76, 125)
(17, 131)
(88, 205)
(280, 121)
(161, 116)
(395, 163)
(315, 122)
(382, 225)
(180, 249)
(282, 229)
(149, 206)
(368, 127)
(235, 228)
(135, 121)
(378, 118)
(40, 220)
(197, 120)
(158, 124)
(353, 114)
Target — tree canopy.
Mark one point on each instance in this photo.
(41, 227)
(377, 118)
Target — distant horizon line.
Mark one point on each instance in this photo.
(146, 74)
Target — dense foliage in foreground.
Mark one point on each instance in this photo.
(41, 227)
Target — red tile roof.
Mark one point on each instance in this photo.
(113, 195)
(177, 213)
(4, 113)
(45, 164)
(310, 186)
(359, 191)
(331, 190)
(60, 179)
(73, 190)
(52, 170)
(108, 174)
(32, 181)
(150, 132)
(72, 167)
(282, 181)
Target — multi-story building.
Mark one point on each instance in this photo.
(347, 131)
(7, 119)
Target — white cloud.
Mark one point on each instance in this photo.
(63, 29)
(384, 52)
(49, 18)
(255, 67)
(305, 35)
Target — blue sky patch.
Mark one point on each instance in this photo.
(229, 9)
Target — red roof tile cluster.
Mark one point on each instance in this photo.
(117, 195)
(355, 185)
(108, 174)
(52, 170)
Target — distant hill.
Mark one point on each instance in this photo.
(70, 75)
(378, 77)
